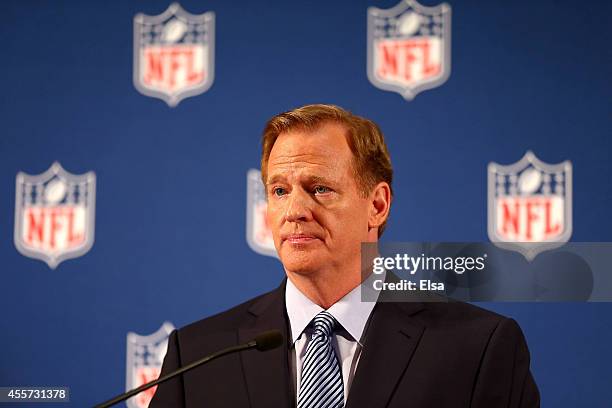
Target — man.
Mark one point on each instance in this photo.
(328, 179)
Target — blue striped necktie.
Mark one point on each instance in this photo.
(321, 381)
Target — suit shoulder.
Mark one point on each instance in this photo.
(471, 327)
(229, 319)
(464, 314)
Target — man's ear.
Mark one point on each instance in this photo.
(380, 204)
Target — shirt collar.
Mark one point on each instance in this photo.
(350, 311)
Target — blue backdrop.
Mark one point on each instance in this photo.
(171, 182)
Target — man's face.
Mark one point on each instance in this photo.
(316, 213)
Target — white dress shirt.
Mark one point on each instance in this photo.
(352, 315)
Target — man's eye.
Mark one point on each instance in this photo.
(278, 191)
(321, 190)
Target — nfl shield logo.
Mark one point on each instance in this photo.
(174, 54)
(530, 205)
(409, 47)
(145, 355)
(258, 233)
(54, 214)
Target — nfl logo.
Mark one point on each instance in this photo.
(174, 54)
(258, 233)
(530, 205)
(54, 214)
(145, 355)
(409, 47)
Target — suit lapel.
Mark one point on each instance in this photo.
(389, 344)
(267, 373)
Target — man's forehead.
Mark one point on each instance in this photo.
(320, 145)
(311, 167)
(310, 155)
(304, 176)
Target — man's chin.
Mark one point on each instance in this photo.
(306, 257)
(301, 264)
(301, 268)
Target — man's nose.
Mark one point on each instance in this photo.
(298, 207)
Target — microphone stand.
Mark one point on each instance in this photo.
(122, 397)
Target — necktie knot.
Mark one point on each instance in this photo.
(324, 324)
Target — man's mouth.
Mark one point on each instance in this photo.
(299, 238)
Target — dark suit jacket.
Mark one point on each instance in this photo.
(415, 355)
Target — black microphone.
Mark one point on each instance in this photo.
(263, 342)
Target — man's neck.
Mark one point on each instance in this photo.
(325, 289)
